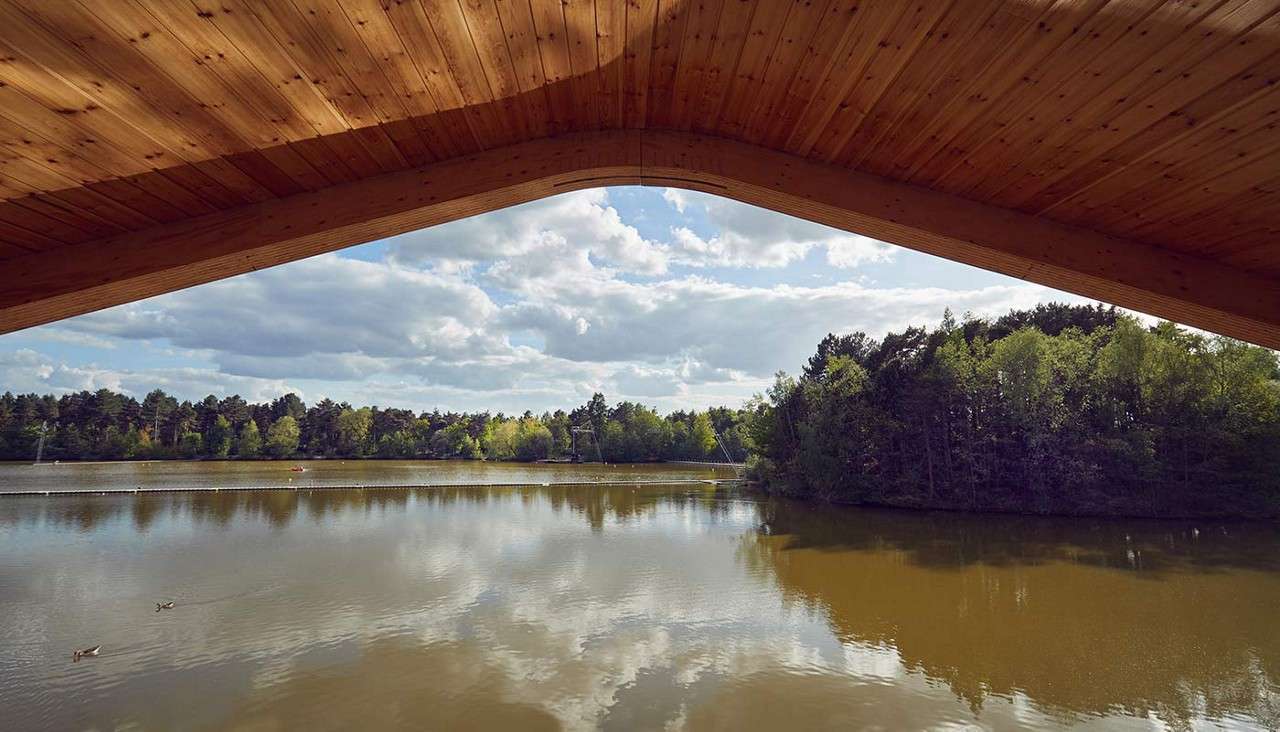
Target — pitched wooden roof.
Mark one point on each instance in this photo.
(1123, 149)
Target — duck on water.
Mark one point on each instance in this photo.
(76, 656)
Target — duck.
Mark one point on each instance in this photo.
(164, 606)
(86, 652)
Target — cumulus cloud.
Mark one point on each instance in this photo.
(677, 197)
(648, 382)
(580, 223)
(754, 330)
(747, 236)
(852, 250)
(326, 318)
(581, 229)
(535, 306)
(364, 307)
(29, 371)
(24, 366)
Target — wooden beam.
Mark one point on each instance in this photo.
(44, 286)
(1131, 274)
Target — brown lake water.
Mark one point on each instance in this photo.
(645, 607)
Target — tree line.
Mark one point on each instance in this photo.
(107, 425)
(1063, 409)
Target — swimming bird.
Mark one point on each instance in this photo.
(164, 606)
(86, 652)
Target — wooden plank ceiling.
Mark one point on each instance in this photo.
(1151, 122)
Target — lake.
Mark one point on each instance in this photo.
(647, 606)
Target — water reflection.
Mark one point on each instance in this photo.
(24, 477)
(1085, 618)
(597, 505)
(622, 608)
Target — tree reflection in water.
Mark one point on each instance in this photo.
(1084, 617)
(598, 505)
(628, 607)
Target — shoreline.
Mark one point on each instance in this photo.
(45, 463)
(756, 486)
(749, 484)
(363, 487)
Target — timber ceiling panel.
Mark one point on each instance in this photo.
(1150, 121)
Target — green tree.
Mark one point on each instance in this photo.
(156, 408)
(560, 426)
(282, 438)
(220, 437)
(1058, 409)
(353, 430)
(455, 441)
(593, 414)
(191, 445)
(135, 443)
(421, 433)
(288, 405)
(249, 444)
(533, 440)
(398, 444)
(499, 439)
(699, 442)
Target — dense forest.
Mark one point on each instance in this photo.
(1062, 409)
(105, 425)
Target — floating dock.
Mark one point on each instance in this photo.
(369, 487)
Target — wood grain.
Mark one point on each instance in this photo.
(46, 285)
(1155, 123)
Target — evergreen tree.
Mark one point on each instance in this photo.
(1057, 409)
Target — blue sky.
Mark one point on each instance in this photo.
(672, 298)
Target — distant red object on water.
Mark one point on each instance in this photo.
(297, 469)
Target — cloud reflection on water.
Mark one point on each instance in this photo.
(594, 607)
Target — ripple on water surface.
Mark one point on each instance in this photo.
(622, 608)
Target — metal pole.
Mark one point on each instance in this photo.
(44, 428)
(725, 450)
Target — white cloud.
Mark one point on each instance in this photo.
(28, 371)
(751, 237)
(535, 306)
(362, 307)
(647, 382)
(853, 250)
(58, 335)
(754, 330)
(732, 249)
(581, 223)
(580, 229)
(677, 197)
(328, 318)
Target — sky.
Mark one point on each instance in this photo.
(672, 298)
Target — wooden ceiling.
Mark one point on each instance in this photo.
(1124, 149)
